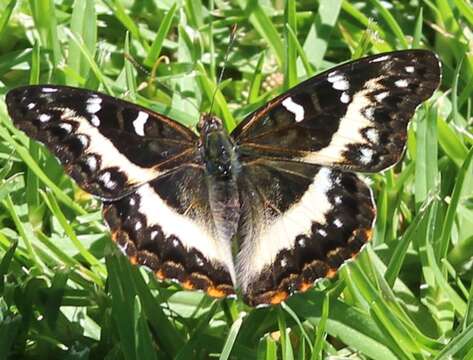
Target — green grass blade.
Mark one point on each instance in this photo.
(155, 49)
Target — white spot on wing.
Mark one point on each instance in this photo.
(48, 90)
(338, 223)
(31, 106)
(372, 135)
(366, 155)
(335, 76)
(139, 123)
(107, 181)
(91, 163)
(402, 83)
(95, 120)
(294, 108)
(381, 96)
(44, 118)
(381, 58)
(322, 232)
(341, 85)
(409, 69)
(345, 98)
(93, 104)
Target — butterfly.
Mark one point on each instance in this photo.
(268, 209)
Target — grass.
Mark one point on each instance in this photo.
(66, 293)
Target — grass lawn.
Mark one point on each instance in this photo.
(67, 293)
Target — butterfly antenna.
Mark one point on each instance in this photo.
(225, 58)
(153, 78)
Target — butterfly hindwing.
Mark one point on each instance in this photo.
(167, 226)
(301, 222)
(353, 116)
(107, 145)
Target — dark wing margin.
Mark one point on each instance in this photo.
(301, 223)
(167, 226)
(353, 116)
(109, 146)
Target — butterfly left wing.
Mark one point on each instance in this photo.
(354, 116)
(109, 146)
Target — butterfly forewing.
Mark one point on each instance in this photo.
(107, 145)
(353, 116)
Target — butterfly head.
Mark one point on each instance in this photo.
(208, 123)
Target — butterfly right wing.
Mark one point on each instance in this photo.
(109, 146)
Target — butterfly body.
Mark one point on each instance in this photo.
(282, 184)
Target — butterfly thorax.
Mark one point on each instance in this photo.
(220, 156)
(218, 149)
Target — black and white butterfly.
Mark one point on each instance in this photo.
(281, 185)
